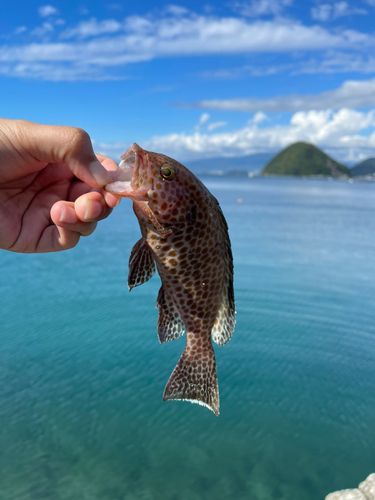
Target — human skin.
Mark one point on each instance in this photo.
(50, 186)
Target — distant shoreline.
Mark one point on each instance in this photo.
(250, 175)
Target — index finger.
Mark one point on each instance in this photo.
(109, 164)
(58, 144)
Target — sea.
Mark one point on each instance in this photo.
(82, 372)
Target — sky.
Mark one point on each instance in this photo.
(193, 79)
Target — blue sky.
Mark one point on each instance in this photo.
(195, 80)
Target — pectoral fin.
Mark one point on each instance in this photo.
(141, 264)
(170, 325)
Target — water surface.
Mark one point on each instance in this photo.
(82, 372)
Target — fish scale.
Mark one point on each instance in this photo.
(184, 233)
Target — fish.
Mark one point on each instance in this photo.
(185, 237)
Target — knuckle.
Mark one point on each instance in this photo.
(78, 138)
(63, 239)
(89, 228)
(106, 212)
(66, 245)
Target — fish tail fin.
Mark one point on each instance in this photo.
(194, 379)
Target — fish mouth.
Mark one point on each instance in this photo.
(123, 177)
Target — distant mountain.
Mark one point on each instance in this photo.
(302, 159)
(249, 163)
(365, 167)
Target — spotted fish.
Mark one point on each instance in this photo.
(184, 233)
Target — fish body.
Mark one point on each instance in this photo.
(185, 235)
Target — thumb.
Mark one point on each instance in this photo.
(59, 144)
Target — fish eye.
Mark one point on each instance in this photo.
(167, 171)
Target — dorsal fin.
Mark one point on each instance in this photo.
(170, 325)
(141, 264)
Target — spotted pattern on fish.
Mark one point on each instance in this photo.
(185, 234)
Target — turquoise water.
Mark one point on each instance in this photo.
(82, 372)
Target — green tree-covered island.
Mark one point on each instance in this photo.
(303, 159)
(365, 167)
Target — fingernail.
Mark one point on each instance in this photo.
(93, 210)
(117, 199)
(100, 174)
(112, 200)
(68, 215)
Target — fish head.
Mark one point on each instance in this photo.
(169, 188)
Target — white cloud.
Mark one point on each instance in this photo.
(329, 12)
(215, 125)
(199, 35)
(339, 133)
(176, 10)
(20, 29)
(353, 94)
(331, 63)
(92, 28)
(338, 62)
(56, 72)
(47, 10)
(43, 30)
(259, 117)
(248, 70)
(145, 38)
(322, 12)
(258, 8)
(204, 118)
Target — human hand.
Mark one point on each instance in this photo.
(50, 182)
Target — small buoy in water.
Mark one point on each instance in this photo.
(240, 201)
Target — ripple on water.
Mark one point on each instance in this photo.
(82, 372)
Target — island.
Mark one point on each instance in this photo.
(302, 159)
(365, 167)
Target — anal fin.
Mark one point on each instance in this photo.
(170, 325)
(194, 379)
(141, 264)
